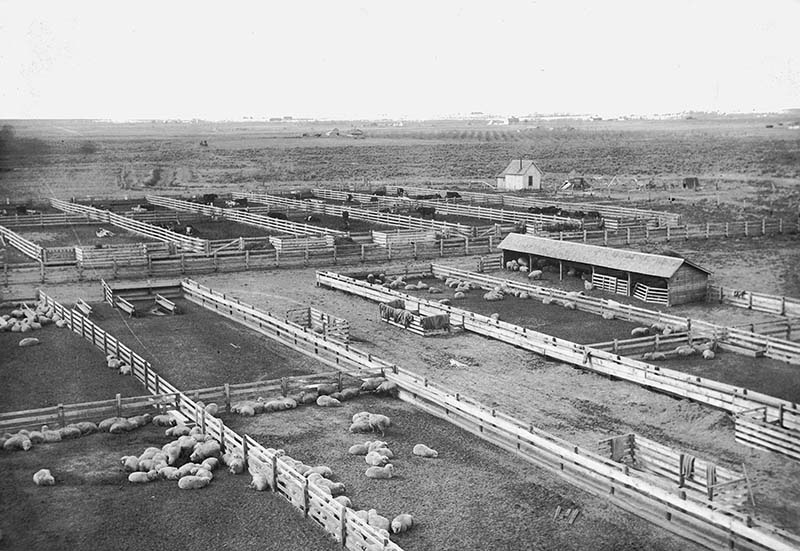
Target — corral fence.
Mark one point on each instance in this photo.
(44, 220)
(646, 234)
(710, 523)
(773, 304)
(716, 394)
(738, 340)
(606, 211)
(184, 242)
(320, 322)
(513, 218)
(339, 521)
(754, 428)
(25, 246)
(243, 217)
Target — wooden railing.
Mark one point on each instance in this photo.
(25, 246)
(157, 233)
(773, 304)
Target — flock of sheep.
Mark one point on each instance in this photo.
(324, 395)
(24, 319)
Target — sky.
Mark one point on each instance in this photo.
(411, 59)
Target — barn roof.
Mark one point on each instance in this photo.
(606, 257)
(519, 167)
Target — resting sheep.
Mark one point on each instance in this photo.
(640, 331)
(422, 450)
(235, 463)
(377, 521)
(204, 450)
(684, 350)
(164, 421)
(535, 274)
(402, 523)
(387, 387)
(378, 422)
(344, 500)
(140, 477)
(18, 442)
(358, 449)
(384, 472)
(654, 356)
(193, 482)
(259, 482)
(376, 459)
(328, 402)
(43, 477)
(708, 354)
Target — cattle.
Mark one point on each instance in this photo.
(21, 209)
(189, 230)
(349, 198)
(102, 232)
(209, 198)
(278, 215)
(592, 214)
(345, 215)
(385, 209)
(452, 195)
(381, 191)
(400, 192)
(426, 211)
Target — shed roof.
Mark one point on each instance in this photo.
(519, 166)
(606, 257)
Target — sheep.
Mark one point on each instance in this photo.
(372, 383)
(328, 402)
(684, 350)
(358, 449)
(640, 331)
(422, 450)
(50, 436)
(350, 393)
(363, 515)
(168, 473)
(140, 420)
(140, 477)
(164, 421)
(362, 425)
(246, 411)
(344, 500)
(18, 442)
(205, 450)
(654, 356)
(178, 430)
(204, 473)
(327, 388)
(459, 295)
(130, 463)
(377, 521)
(386, 452)
(493, 296)
(121, 426)
(125, 369)
(387, 387)
(434, 290)
(186, 443)
(29, 341)
(113, 363)
(86, 427)
(106, 424)
(280, 405)
(402, 523)
(569, 305)
(535, 274)
(445, 302)
(495, 316)
(193, 482)
(322, 470)
(235, 463)
(588, 285)
(43, 477)
(376, 459)
(379, 422)
(36, 437)
(607, 315)
(259, 482)
(70, 431)
(173, 451)
(187, 469)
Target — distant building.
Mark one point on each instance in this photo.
(520, 174)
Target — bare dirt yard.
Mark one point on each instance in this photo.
(746, 172)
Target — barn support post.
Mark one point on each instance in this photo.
(605, 238)
(708, 230)
(466, 245)
(746, 229)
(668, 233)
(628, 236)
(491, 245)
(585, 235)
(763, 226)
(727, 230)
(363, 248)
(780, 225)
(560, 270)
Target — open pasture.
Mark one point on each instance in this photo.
(80, 235)
(93, 506)
(63, 368)
(198, 349)
(473, 496)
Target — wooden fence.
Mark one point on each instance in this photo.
(243, 217)
(640, 345)
(773, 304)
(156, 233)
(737, 339)
(646, 234)
(320, 322)
(44, 220)
(613, 211)
(720, 395)
(25, 246)
(754, 428)
(709, 523)
(354, 534)
(693, 476)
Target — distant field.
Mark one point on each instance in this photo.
(753, 166)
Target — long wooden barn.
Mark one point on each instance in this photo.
(654, 278)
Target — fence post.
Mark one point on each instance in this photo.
(646, 234)
(363, 249)
(628, 236)
(605, 237)
(119, 405)
(61, 415)
(41, 267)
(244, 446)
(746, 229)
(490, 244)
(585, 235)
(441, 247)
(216, 267)
(708, 230)
(466, 245)
(227, 397)
(305, 497)
(763, 226)
(247, 259)
(668, 233)
(343, 526)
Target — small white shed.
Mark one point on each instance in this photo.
(520, 174)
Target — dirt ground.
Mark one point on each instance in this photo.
(473, 496)
(93, 506)
(63, 369)
(198, 348)
(82, 235)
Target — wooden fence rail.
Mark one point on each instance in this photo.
(773, 304)
(25, 246)
(771, 347)
(320, 507)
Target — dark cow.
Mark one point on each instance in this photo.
(21, 209)
(452, 195)
(278, 215)
(381, 191)
(385, 209)
(593, 214)
(241, 202)
(209, 198)
(400, 192)
(426, 211)
(345, 215)
(349, 198)
(534, 210)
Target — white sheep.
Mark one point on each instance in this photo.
(422, 450)
(204, 473)
(125, 369)
(344, 500)
(106, 424)
(203, 450)
(260, 482)
(387, 387)
(377, 521)
(322, 470)
(178, 430)
(168, 473)
(640, 331)
(588, 285)
(376, 459)
(210, 463)
(164, 421)
(130, 463)
(359, 449)
(29, 341)
(402, 523)
(708, 354)
(459, 295)
(606, 315)
(193, 482)
(140, 477)
(328, 402)
(43, 477)
(387, 471)
(372, 383)
(535, 274)
(86, 427)
(378, 422)
(18, 442)
(569, 305)
(235, 462)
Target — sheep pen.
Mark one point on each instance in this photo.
(472, 496)
(94, 506)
